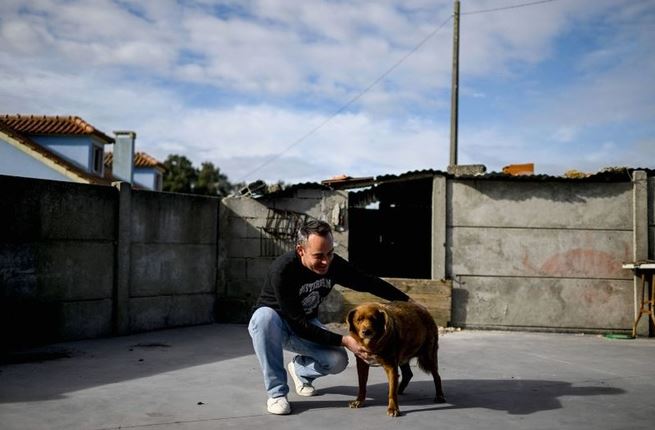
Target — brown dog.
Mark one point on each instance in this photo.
(393, 334)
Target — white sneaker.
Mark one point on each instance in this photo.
(278, 406)
(302, 388)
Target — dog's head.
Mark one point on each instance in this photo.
(368, 323)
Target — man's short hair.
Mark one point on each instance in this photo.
(320, 228)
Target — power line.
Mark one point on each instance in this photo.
(381, 77)
(353, 99)
(516, 6)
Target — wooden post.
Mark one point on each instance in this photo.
(454, 96)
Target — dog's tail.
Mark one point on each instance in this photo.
(427, 359)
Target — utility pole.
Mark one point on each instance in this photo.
(454, 96)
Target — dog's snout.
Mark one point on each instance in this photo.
(367, 332)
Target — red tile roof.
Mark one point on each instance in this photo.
(141, 159)
(53, 125)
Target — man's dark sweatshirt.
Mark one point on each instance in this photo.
(295, 292)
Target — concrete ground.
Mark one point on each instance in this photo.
(207, 377)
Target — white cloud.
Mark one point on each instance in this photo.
(245, 137)
(240, 86)
(565, 134)
(22, 38)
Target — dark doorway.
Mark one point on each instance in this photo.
(394, 239)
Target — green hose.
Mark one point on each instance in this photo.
(618, 336)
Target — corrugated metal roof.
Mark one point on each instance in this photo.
(613, 174)
(415, 174)
(610, 174)
(291, 189)
(344, 182)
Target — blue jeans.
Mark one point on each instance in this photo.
(271, 335)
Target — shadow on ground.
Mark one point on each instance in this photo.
(516, 397)
(49, 372)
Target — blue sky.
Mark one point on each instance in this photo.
(277, 89)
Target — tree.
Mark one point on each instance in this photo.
(212, 182)
(180, 175)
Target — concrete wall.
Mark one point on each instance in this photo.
(56, 260)
(651, 218)
(522, 254)
(540, 255)
(173, 259)
(252, 236)
(80, 261)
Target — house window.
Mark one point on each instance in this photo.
(97, 160)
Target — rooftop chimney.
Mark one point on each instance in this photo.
(123, 158)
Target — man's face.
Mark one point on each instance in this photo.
(317, 253)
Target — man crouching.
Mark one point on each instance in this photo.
(286, 315)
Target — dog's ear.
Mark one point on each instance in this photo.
(351, 323)
(386, 321)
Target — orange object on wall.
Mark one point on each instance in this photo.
(519, 169)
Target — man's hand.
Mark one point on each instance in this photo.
(357, 349)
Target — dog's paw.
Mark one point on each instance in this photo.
(393, 412)
(440, 399)
(356, 404)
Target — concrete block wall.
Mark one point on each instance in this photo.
(82, 261)
(173, 262)
(241, 262)
(246, 249)
(56, 260)
(540, 255)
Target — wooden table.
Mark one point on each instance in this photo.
(646, 271)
